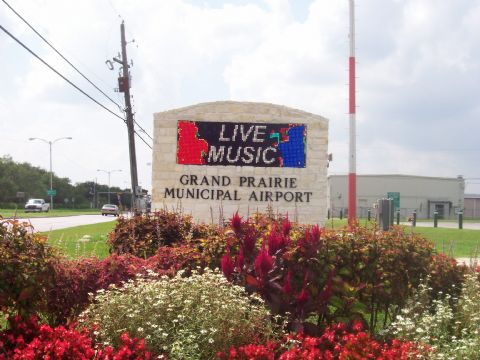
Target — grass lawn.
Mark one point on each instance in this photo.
(338, 224)
(20, 213)
(452, 242)
(82, 241)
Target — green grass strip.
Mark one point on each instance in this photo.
(82, 241)
(452, 242)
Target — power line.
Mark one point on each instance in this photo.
(69, 63)
(142, 129)
(63, 57)
(114, 9)
(136, 133)
(67, 80)
(58, 73)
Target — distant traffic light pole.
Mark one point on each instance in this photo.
(50, 143)
(109, 172)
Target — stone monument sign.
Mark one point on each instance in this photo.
(221, 157)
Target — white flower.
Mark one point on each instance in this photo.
(158, 309)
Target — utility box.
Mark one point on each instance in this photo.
(385, 213)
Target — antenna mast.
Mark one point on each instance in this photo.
(352, 163)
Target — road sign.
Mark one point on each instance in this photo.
(395, 196)
(52, 192)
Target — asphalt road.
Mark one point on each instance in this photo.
(54, 223)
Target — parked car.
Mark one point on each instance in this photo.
(110, 209)
(37, 205)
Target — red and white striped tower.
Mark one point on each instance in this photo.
(352, 163)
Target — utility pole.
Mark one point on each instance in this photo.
(352, 159)
(124, 86)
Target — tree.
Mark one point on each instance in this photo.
(34, 182)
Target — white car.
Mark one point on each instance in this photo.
(37, 205)
(110, 209)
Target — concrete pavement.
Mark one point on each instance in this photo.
(445, 224)
(54, 223)
(473, 262)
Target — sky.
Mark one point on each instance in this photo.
(418, 77)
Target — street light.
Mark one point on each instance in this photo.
(50, 143)
(109, 172)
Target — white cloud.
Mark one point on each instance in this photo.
(417, 76)
(297, 64)
(397, 159)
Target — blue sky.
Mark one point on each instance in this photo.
(418, 77)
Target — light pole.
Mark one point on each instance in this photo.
(109, 172)
(50, 143)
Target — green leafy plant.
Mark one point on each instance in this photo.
(321, 276)
(26, 267)
(448, 324)
(73, 280)
(142, 235)
(184, 317)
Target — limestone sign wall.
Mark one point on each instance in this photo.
(218, 158)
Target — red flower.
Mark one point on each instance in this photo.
(45, 342)
(236, 222)
(316, 232)
(249, 243)
(335, 343)
(263, 263)
(240, 260)
(276, 242)
(357, 326)
(310, 242)
(286, 226)
(227, 266)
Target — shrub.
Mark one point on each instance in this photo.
(450, 325)
(142, 235)
(73, 280)
(26, 263)
(169, 260)
(337, 342)
(30, 340)
(187, 318)
(331, 275)
(445, 276)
